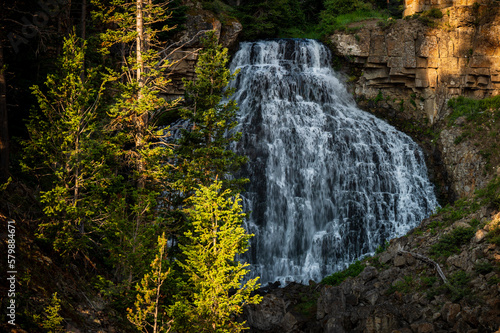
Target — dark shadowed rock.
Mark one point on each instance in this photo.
(330, 302)
(268, 314)
(369, 273)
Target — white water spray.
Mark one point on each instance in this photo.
(328, 182)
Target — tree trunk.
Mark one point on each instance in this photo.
(76, 197)
(140, 44)
(140, 124)
(4, 130)
(76, 193)
(84, 18)
(141, 119)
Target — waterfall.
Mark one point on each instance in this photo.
(328, 181)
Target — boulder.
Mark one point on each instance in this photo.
(369, 273)
(381, 322)
(480, 235)
(399, 261)
(268, 314)
(450, 312)
(289, 322)
(230, 33)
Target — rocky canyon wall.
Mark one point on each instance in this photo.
(408, 69)
(458, 54)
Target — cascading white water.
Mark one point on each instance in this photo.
(328, 182)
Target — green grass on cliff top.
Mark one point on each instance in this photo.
(332, 23)
(472, 108)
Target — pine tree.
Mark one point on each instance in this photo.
(148, 315)
(204, 149)
(214, 292)
(141, 152)
(52, 320)
(65, 150)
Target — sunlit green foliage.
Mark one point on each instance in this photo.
(480, 125)
(472, 108)
(66, 150)
(331, 22)
(51, 320)
(148, 314)
(213, 291)
(138, 212)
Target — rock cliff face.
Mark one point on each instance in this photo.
(409, 69)
(456, 55)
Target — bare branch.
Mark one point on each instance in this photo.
(428, 260)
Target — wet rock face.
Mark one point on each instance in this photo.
(288, 309)
(267, 315)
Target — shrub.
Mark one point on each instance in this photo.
(451, 242)
(474, 223)
(429, 16)
(340, 13)
(428, 281)
(471, 108)
(435, 225)
(462, 137)
(379, 97)
(458, 287)
(484, 267)
(434, 13)
(386, 24)
(459, 209)
(337, 278)
(382, 247)
(494, 280)
(51, 320)
(405, 286)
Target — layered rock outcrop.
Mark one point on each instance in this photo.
(458, 54)
(406, 71)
